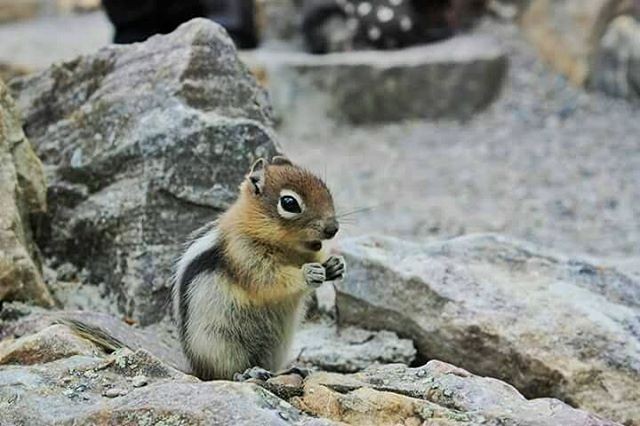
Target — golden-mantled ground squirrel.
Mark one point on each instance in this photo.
(241, 284)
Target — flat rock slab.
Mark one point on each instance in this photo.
(549, 325)
(451, 79)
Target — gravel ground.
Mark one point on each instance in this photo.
(35, 44)
(547, 162)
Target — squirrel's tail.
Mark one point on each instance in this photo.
(93, 334)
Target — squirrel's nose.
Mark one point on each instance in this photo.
(331, 230)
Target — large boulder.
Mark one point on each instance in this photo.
(567, 33)
(144, 143)
(22, 195)
(451, 79)
(549, 325)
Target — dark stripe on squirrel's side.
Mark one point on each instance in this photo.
(207, 261)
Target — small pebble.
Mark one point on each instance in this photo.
(139, 381)
(90, 374)
(114, 392)
(291, 380)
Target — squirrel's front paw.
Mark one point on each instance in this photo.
(335, 268)
(314, 274)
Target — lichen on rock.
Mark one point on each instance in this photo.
(22, 194)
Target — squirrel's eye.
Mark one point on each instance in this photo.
(289, 204)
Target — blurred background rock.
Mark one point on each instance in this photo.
(16, 10)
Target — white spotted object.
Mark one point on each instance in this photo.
(384, 14)
(364, 8)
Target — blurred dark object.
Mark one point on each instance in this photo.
(462, 14)
(237, 17)
(138, 20)
(341, 25)
(324, 27)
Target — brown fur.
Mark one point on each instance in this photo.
(253, 229)
(240, 285)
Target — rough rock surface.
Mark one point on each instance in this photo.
(22, 194)
(349, 349)
(130, 387)
(566, 32)
(144, 143)
(451, 79)
(617, 68)
(50, 344)
(549, 325)
(157, 339)
(437, 393)
(84, 386)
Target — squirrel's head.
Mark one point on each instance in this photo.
(288, 204)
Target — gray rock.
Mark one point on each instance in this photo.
(156, 339)
(549, 325)
(139, 381)
(617, 68)
(451, 79)
(90, 390)
(144, 144)
(437, 393)
(349, 349)
(50, 344)
(22, 196)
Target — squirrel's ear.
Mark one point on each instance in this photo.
(280, 160)
(256, 175)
